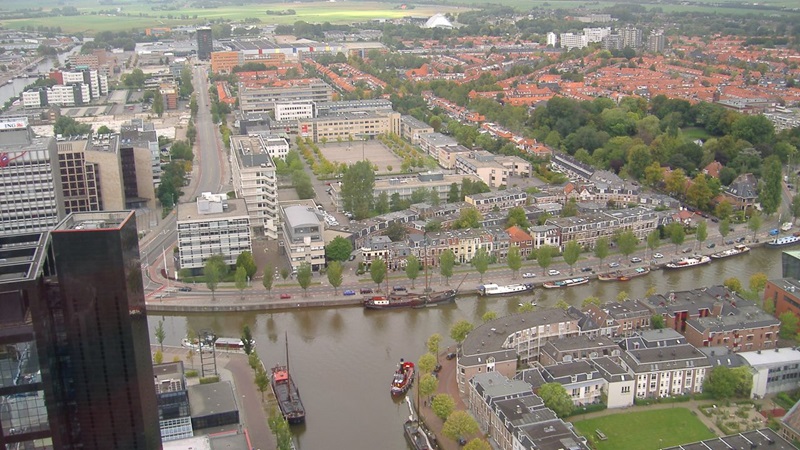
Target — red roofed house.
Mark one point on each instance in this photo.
(519, 237)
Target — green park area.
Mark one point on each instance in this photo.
(644, 430)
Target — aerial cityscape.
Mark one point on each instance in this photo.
(315, 225)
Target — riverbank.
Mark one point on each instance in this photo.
(321, 295)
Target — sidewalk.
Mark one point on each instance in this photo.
(447, 385)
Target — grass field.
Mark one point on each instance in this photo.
(695, 133)
(646, 430)
(141, 15)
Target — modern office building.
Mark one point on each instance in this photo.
(30, 194)
(294, 111)
(77, 371)
(264, 98)
(98, 173)
(140, 134)
(631, 37)
(656, 41)
(214, 225)
(349, 126)
(303, 238)
(205, 43)
(173, 401)
(255, 181)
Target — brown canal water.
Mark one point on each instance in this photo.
(342, 359)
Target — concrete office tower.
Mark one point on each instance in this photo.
(656, 41)
(255, 180)
(30, 193)
(631, 37)
(77, 371)
(205, 43)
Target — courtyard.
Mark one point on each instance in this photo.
(372, 150)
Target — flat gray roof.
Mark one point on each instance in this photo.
(210, 399)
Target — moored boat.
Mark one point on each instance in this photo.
(409, 300)
(403, 378)
(784, 241)
(612, 276)
(286, 392)
(565, 283)
(416, 435)
(737, 250)
(689, 261)
(494, 289)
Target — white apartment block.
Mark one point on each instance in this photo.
(349, 126)
(276, 146)
(596, 34)
(302, 235)
(263, 99)
(67, 95)
(293, 111)
(572, 40)
(34, 99)
(667, 370)
(552, 39)
(214, 225)
(255, 181)
(30, 188)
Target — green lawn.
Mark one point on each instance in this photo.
(646, 430)
(695, 133)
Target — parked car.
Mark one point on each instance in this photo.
(461, 441)
(774, 232)
(613, 264)
(740, 240)
(687, 250)
(711, 245)
(349, 292)
(450, 356)
(636, 259)
(185, 289)
(586, 269)
(437, 368)
(399, 288)
(351, 258)
(285, 296)
(657, 255)
(729, 242)
(366, 291)
(553, 272)
(528, 275)
(714, 219)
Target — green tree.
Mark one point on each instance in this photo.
(104, 130)
(214, 271)
(627, 242)
(158, 357)
(654, 175)
(771, 191)
(158, 103)
(246, 260)
(280, 428)
(460, 330)
(304, 277)
(447, 260)
(254, 361)
(469, 217)
(269, 279)
(426, 363)
(789, 322)
(160, 334)
(412, 269)
(377, 271)
(754, 224)
(602, 249)
(676, 234)
(544, 256)
(724, 228)
(453, 195)
(443, 405)
(428, 384)
(488, 315)
(396, 232)
(478, 444)
(525, 307)
(562, 304)
(733, 284)
(572, 251)
(382, 203)
(591, 301)
(570, 208)
(517, 217)
(67, 126)
(724, 383)
(657, 321)
(459, 424)
(701, 232)
(676, 183)
(247, 340)
(699, 192)
(261, 381)
(334, 275)
(358, 183)
(653, 240)
(338, 249)
(758, 281)
(556, 398)
(240, 280)
(723, 210)
(514, 259)
(481, 261)
(432, 344)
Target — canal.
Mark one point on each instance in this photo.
(342, 359)
(18, 85)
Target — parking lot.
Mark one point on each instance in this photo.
(352, 152)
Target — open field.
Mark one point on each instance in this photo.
(141, 15)
(646, 430)
(350, 152)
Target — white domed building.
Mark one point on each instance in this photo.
(438, 21)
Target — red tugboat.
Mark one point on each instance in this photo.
(403, 378)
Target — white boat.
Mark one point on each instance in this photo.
(784, 241)
(565, 283)
(690, 261)
(737, 250)
(494, 289)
